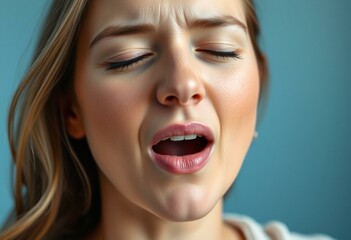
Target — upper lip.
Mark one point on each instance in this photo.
(190, 128)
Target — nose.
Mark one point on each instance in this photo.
(180, 83)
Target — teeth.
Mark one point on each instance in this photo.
(186, 137)
(190, 137)
(177, 138)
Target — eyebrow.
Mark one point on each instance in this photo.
(116, 30)
(221, 21)
(112, 31)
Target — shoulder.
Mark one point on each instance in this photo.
(272, 231)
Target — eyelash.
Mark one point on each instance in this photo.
(223, 55)
(127, 64)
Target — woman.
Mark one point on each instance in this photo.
(134, 119)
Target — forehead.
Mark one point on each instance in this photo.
(102, 13)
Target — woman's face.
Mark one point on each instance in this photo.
(166, 95)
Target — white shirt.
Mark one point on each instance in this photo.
(272, 231)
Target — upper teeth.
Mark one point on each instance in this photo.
(181, 138)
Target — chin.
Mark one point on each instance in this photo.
(184, 216)
(186, 205)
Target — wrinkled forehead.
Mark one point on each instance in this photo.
(102, 13)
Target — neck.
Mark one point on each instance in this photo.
(121, 219)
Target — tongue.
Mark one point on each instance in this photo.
(180, 148)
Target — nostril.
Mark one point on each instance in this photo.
(197, 98)
(173, 99)
(177, 94)
(170, 98)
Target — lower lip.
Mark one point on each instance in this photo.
(186, 164)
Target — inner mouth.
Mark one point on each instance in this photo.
(177, 147)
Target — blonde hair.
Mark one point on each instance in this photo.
(55, 196)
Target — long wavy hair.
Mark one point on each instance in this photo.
(56, 189)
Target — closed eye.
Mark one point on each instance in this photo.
(222, 55)
(127, 64)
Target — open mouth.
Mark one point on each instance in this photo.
(181, 145)
(182, 148)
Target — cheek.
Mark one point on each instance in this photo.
(112, 112)
(237, 95)
(237, 99)
(108, 109)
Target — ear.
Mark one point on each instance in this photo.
(72, 118)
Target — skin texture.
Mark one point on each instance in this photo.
(178, 81)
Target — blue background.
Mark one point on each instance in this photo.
(298, 170)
